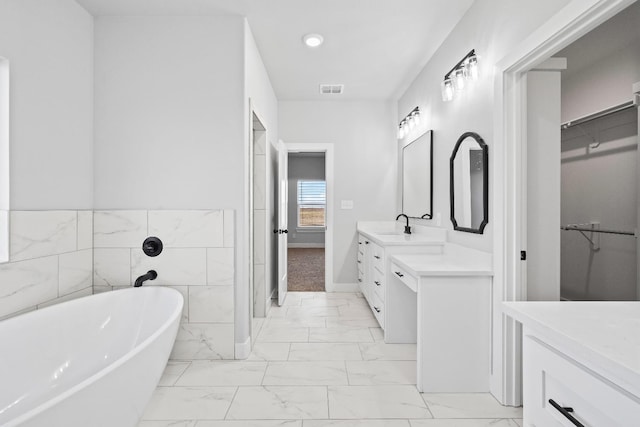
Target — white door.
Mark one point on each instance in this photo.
(283, 172)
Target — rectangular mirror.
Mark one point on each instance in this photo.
(417, 177)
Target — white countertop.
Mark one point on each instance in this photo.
(603, 336)
(455, 260)
(391, 233)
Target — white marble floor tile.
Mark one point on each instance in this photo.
(468, 405)
(381, 372)
(282, 334)
(363, 402)
(355, 311)
(223, 373)
(355, 423)
(464, 423)
(279, 402)
(300, 322)
(377, 334)
(313, 311)
(270, 351)
(325, 351)
(340, 335)
(171, 423)
(251, 423)
(189, 403)
(323, 302)
(172, 372)
(306, 373)
(181, 423)
(361, 322)
(383, 351)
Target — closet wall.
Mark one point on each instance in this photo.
(599, 168)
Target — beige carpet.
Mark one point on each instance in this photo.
(305, 269)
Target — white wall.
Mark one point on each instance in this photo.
(492, 27)
(543, 185)
(169, 110)
(600, 184)
(49, 46)
(257, 88)
(365, 169)
(309, 168)
(602, 66)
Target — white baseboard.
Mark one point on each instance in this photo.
(243, 349)
(305, 245)
(342, 287)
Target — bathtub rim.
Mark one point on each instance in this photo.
(112, 366)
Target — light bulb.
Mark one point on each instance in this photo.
(447, 90)
(472, 68)
(458, 78)
(416, 117)
(411, 122)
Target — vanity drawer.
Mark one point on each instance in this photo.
(550, 375)
(377, 257)
(378, 308)
(405, 277)
(378, 283)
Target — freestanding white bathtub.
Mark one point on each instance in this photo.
(94, 361)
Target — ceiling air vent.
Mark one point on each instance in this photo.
(331, 89)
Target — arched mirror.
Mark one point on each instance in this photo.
(470, 184)
(417, 177)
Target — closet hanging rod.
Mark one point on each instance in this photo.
(596, 230)
(602, 113)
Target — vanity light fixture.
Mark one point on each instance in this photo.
(409, 122)
(456, 79)
(313, 40)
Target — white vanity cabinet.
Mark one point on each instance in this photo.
(375, 245)
(451, 294)
(580, 364)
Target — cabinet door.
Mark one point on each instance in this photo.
(548, 375)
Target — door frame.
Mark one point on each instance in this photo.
(327, 149)
(509, 184)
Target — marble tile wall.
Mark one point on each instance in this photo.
(50, 259)
(197, 260)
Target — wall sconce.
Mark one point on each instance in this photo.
(409, 122)
(456, 79)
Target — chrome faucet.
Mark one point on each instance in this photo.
(407, 229)
(151, 275)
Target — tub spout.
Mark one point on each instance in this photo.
(151, 275)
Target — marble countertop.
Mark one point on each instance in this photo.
(455, 260)
(603, 336)
(390, 233)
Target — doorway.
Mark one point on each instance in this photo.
(307, 221)
(510, 181)
(311, 212)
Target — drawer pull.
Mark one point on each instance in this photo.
(359, 243)
(359, 262)
(366, 242)
(376, 309)
(566, 412)
(399, 274)
(377, 283)
(376, 257)
(360, 280)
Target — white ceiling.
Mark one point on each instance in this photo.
(374, 47)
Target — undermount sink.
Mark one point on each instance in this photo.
(390, 233)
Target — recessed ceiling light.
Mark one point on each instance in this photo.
(313, 40)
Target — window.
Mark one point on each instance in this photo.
(312, 201)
